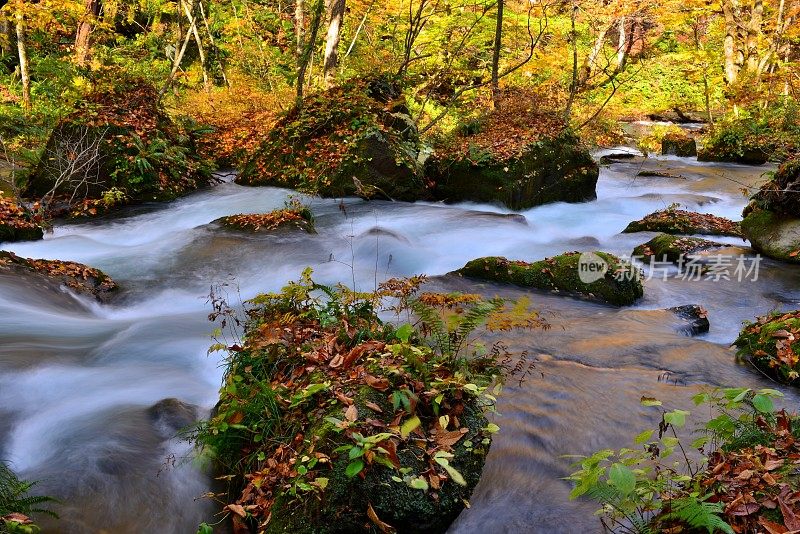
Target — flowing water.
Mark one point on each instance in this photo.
(78, 380)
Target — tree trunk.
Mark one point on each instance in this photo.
(591, 60)
(332, 41)
(753, 33)
(308, 50)
(729, 44)
(622, 45)
(573, 88)
(498, 44)
(85, 29)
(299, 25)
(200, 50)
(176, 62)
(24, 70)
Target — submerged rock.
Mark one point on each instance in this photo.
(170, 416)
(673, 248)
(675, 221)
(75, 276)
(611, 280)
(16, 223)
(772, 219)
(696, 318)
(678, 145)
(772, 344)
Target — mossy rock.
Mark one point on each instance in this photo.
(774, 235)
(139, 152)
(673, 248)
(678, 145)
(281, 220)
(353, 140)
(674, 221)
(75, 276)
(556, 169)
(614, 281)
(772, 343)
(343, 509)
(782, 193)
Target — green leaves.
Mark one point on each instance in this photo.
(354, 468)
(409, 426)
(763, 403)
(676, 418)
(622, 478)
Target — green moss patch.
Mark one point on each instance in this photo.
(774, 235)
(619, 283)
(772, 343)
(675, 221)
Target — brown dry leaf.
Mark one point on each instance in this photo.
(448, 439)
(374, 407)
(381, 384)
(790, 518)
(237, 509)
(770, 527)
(351, 414)
(746, 474)
(347, 401)
(17, 518)
(771, 465)
(744, 509)
(383, 527)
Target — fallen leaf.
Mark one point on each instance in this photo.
(770, 527)
(790, 518)
(237, 509)
(351, 413)
(384, 527)
(374, 407)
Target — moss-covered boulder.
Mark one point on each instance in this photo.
(673, 248)
(353, 140)
(552, 169)
(675, 221)
(599, 275)
(120, 146)
(772, 219)
(277, 220)
(75, 276)
(678, 145)
(772, 343)
(774, 235)
(16, 223)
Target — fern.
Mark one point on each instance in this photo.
(432, 321)
(14, 496)
(698, 514)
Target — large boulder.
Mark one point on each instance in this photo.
(280, 220)
(613, 281)
(772, 219)
(75, 276)
(118, 146)
(667, 247)
(353, 140)
(678, 145)
(16, 223)
(675, 221)
(551, 169)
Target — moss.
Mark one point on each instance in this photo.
(281, 219)
(549, 170)
(619, 285)
(774, 235)
(675, 221)
(772, 343)
(673, 248)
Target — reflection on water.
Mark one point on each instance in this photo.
(78, 380)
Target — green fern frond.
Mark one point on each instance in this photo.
(698, 514)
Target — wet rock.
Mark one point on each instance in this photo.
(678, 116)
(659, 174)
(619, 156)
(587, 241)
(278, 220)
(684, 199)
(510, 217)
(380, 232)
(695, 317)
(75, 276)
(678, 145)
(772, 219)
(675, 221)
(169, 416)
(673, 248)
(544, 171)
(598, 276)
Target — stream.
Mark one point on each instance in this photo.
(78, 380)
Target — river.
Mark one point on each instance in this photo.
(77, 378)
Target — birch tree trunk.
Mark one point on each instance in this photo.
(332, 41)
(85, 29)
(730, 49)
(24, 69)
(498, 43)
